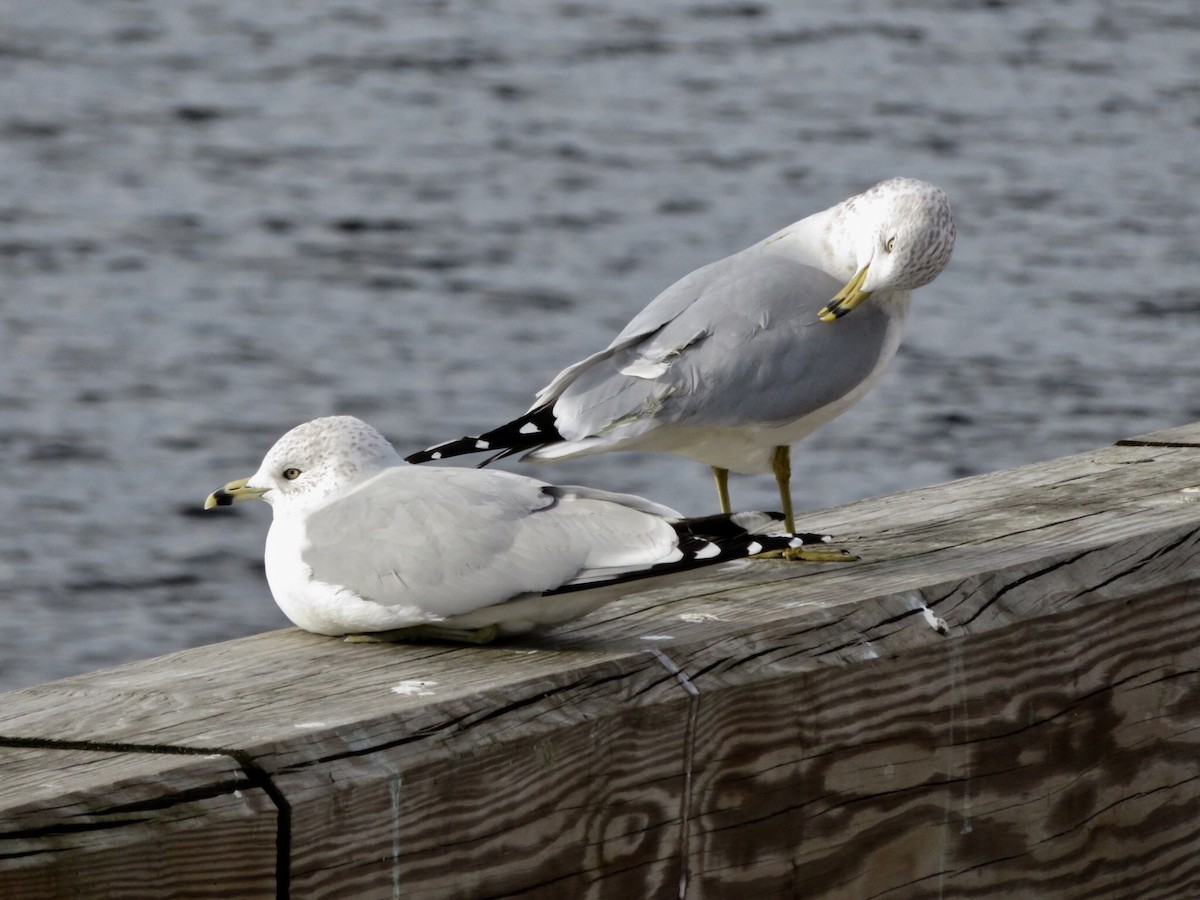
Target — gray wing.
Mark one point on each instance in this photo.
(747, 348)
(446, 541)
(659, 312)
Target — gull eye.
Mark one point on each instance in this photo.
(891, 242)
(291, 474)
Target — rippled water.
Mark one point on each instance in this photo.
(220, 219)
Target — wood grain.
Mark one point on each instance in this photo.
(1002, 698)
(1054, 758)
(120, 823)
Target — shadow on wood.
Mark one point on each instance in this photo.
(1001, 699)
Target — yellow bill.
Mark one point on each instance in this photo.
(234, 492)
(847, 298)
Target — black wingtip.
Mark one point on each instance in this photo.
(729, 536)
(709, 540)
(534, 429)
(734, 526)
(445, 450)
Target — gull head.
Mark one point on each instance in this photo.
(310, 463)
(896, 236)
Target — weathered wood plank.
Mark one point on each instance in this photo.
(1054, 758)
(1002, 698)
(1181, 436)
(116, 823)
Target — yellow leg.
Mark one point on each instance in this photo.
(722, 479)
(781, 464)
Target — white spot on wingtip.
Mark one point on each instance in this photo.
(708, 551)
(529, 428)
(414, 688)
(437, 454)
(482, 445)
(753, 547)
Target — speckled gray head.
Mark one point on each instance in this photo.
(896, 236)
(311, 462)
(914, 227)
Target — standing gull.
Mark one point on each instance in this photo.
(737, 361)
(362, 543)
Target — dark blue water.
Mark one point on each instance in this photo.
(220, 219)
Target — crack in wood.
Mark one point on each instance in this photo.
(953, 873)
(1134, 442)
(256, 777)
(907, 614)
(1157, 554)
(63, 828)
(858, 642)
(720, 663)
(1025, 579)
(1182, 673)
(166, 801)
(1137, 795)
(689, 750)
(751, 657)
(1076, 702)
(468, 720)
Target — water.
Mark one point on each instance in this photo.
(220, 219)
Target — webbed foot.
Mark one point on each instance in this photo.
(809, 553)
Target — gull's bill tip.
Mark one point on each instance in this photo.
(847, 298)
(234, 492)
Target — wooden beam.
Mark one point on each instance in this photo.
(1002, 698)
(84, 821)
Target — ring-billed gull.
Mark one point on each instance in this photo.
(737, 361)
(361, 542)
